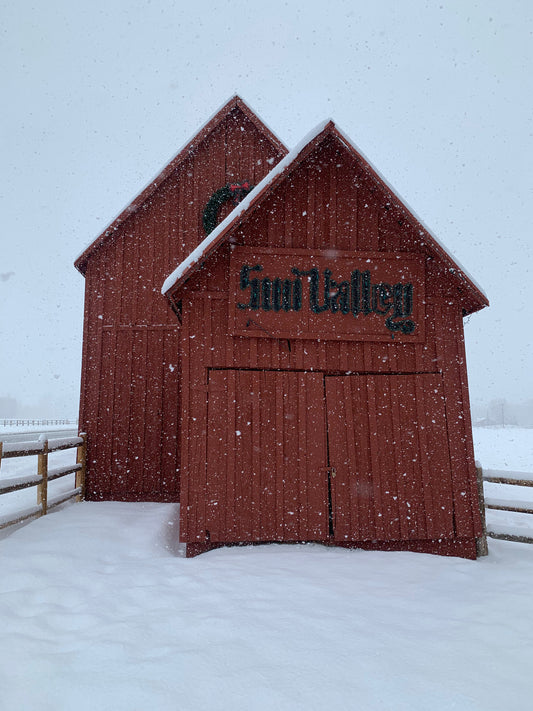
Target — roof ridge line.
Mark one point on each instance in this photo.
(198, 137)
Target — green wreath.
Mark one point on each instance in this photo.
(232, 191)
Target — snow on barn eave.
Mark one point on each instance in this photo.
(455, 268)
(213, 240)
(185, 151)
(476, 298)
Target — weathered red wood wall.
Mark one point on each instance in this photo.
(131, 366)
(327, 203)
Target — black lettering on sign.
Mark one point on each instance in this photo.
(245, 282)
(358, 295)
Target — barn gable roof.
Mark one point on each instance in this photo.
(189, 148)
(476, 297)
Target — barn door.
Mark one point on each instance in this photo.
(388, 444)
(266, 456)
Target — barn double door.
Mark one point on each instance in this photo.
(302, 456)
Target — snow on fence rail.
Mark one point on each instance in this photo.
(39, 423)
(523, 506)
(44, 474)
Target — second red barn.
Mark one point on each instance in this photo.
(131, 369)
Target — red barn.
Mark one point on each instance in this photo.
(308, 379)
(131, 366)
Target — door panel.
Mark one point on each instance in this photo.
(388, 443)
(266, 456)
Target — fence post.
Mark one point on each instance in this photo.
(81, 458)
(1, 450)
(482, 547)
(42, 471)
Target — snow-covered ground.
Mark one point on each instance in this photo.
(100, 610)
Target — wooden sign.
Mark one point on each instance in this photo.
(285, 293)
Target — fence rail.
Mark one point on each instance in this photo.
(495, 476)
(44, 475)
(18, 422)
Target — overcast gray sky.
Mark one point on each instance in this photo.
(97, 97)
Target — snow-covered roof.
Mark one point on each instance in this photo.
(189, 147)
(184, 270)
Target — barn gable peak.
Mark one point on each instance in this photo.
(326, 130)
(234, 104)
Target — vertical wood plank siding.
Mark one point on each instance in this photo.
(266, 457)
(131, 368)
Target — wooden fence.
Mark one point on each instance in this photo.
(18, 422)
(525, 506)
(44, 475)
